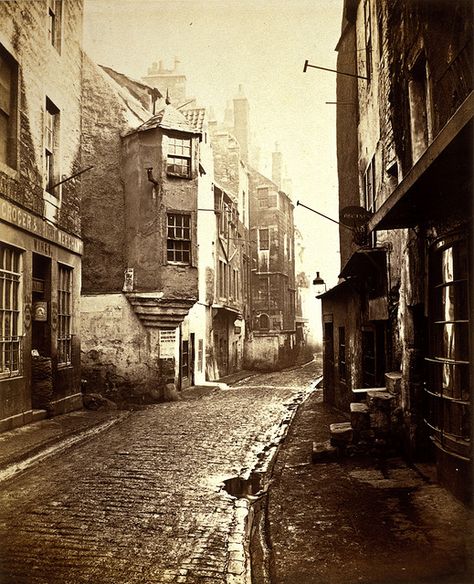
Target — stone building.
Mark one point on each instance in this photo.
(141, 268)
(230, 308)
(273, 343)
(399, 318)
(40, 237)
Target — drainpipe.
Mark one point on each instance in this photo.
(152, 179)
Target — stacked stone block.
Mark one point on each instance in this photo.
(373, 427)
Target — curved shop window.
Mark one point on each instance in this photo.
(447, 382)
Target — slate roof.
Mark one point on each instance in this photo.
(169, 118)
(195, 118)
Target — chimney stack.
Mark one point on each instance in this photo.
(241, 123)
(277, 164)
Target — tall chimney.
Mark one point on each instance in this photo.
(277, 164)
(241, 123)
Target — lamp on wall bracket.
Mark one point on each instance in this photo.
(319, 285)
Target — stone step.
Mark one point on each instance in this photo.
(324, 452)
(341, 433)
(360, 418)
(380, 400)
(393, 382)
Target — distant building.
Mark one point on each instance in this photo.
(273, 343)
(40, 236)
(171, 83)
(400, 316)
(230, 309)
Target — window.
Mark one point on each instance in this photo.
(370, 196)
(179, 157)
(200, 354)
(54, 23)
(264, 322)
(64, 314)
(273, 200)
(448, 380)
(264, 239)
(342, 353)
(368, 359)
(51, 136)
(10, 266)
(235, 284)
(185, 359)
(368, 40)
(179, 238)
(420, 109)
(262, 194)
(369, 187)
(8, 108)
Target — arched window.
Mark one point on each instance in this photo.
(264, 322)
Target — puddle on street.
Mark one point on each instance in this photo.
(248, 488)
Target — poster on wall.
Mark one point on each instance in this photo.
(167, 344)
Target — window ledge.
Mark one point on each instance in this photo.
(9, 171)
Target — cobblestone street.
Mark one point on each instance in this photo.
(143, 501)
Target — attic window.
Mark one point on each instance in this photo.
(179, 157)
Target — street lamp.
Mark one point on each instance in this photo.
(319, 284)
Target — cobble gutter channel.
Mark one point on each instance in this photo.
(248, 542)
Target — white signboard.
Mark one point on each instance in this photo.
(167, 344)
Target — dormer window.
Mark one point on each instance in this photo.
(179, 157)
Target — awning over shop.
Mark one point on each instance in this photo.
(364, 262)
(439, 182)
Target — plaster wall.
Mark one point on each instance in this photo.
(146, 214)
(119, 356)
(106, 115)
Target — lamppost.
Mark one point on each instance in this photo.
(319, 285)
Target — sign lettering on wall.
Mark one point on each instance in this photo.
(167, 344)
(36, 226)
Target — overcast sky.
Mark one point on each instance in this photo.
(261, 44)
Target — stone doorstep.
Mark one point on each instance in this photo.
(359, 408)
(360, 419)
(341, 433)
(380, 396)
(324, 452)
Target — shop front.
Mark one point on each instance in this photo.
(40, 274)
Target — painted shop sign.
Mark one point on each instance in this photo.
(354, 216)
(167, 344)
(36, 226)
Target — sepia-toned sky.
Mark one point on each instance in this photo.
(261, 44)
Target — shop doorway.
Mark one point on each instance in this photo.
(41, 322)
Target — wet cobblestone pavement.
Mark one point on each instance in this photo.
(359, 520)
(143, 501)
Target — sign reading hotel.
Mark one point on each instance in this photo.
(167, 344)
(11, 213)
